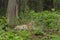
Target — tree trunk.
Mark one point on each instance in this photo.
(17, 9)
(11, 12)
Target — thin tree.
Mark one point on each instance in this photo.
(17, 9)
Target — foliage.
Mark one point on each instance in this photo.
(50, 20)
(11, 35)
(3, 22)
(45, 22)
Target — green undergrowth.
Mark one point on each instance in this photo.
(43, 20)
(46, 22)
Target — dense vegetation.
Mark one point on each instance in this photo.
(46, 23)
(42, 15)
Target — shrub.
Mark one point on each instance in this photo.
(46, 21)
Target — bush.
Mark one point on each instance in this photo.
(45, 22)
(3, 22)
(11, 35)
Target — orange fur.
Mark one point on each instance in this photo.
(28, 26)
